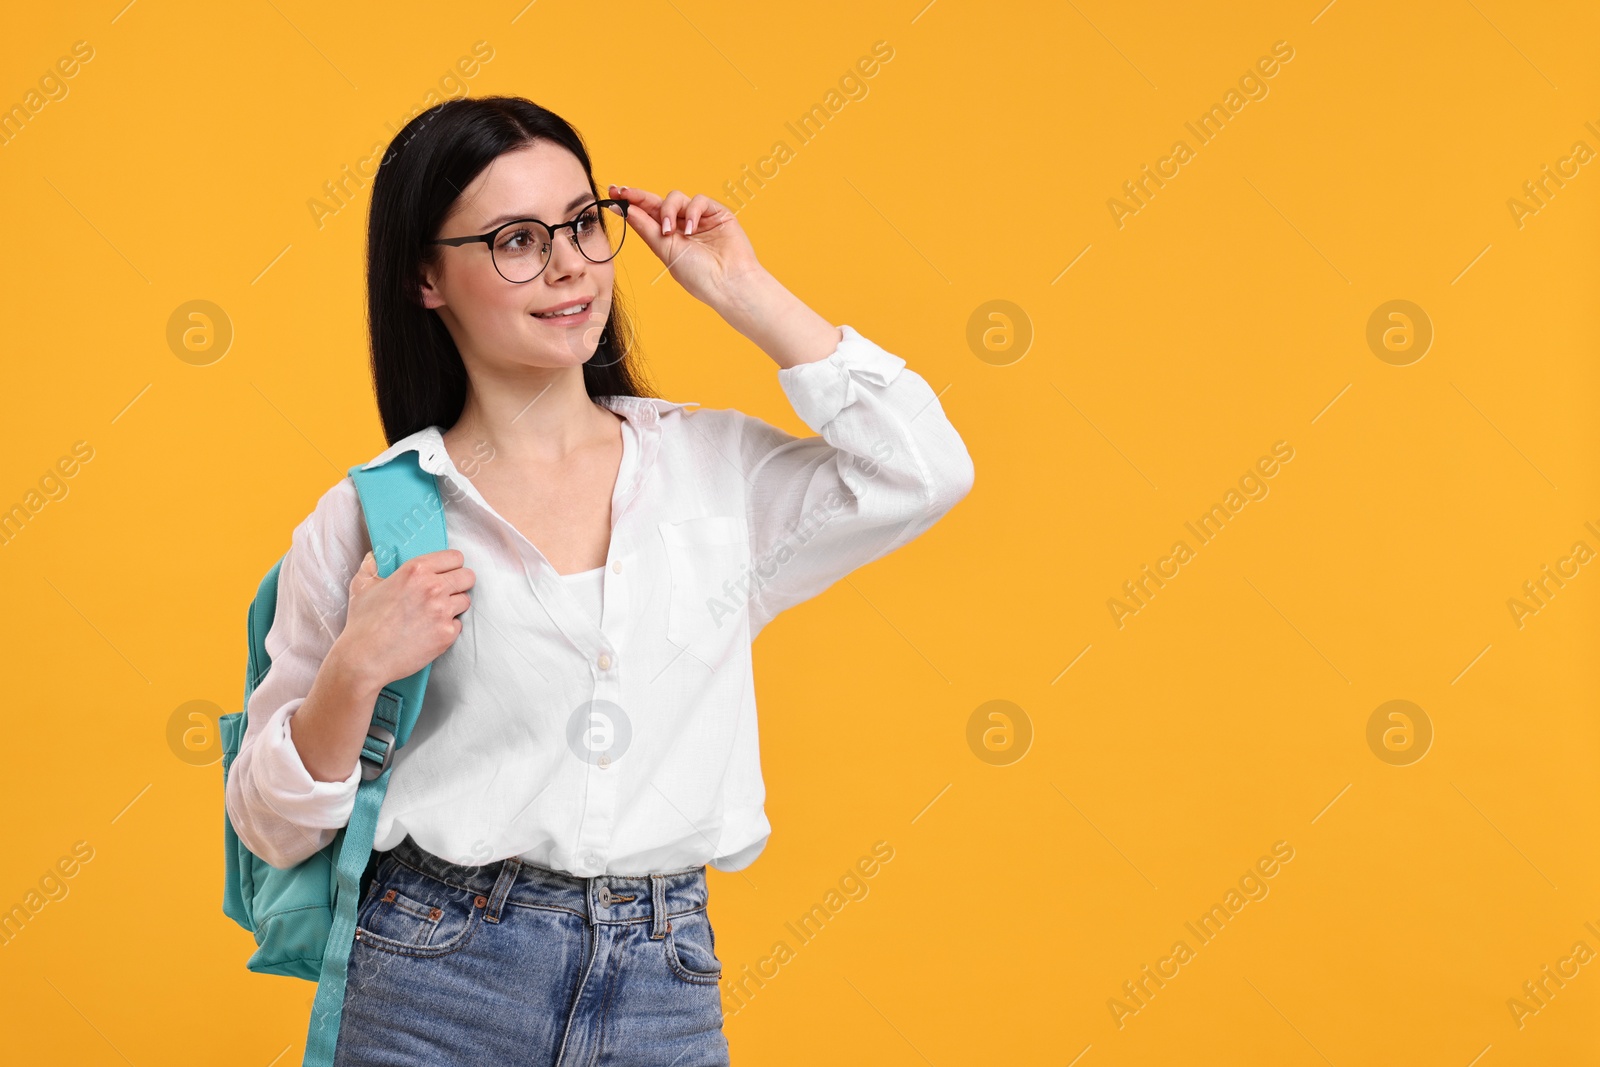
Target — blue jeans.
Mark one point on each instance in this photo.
(519, 964)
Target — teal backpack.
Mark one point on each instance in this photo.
(304, 917)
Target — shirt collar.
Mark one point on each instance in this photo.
(644, 412)
(644, 409)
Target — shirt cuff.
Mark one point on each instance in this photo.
(819, 390)
(282, 776)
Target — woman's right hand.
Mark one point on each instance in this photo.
(398, 625)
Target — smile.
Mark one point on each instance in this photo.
(577, 309)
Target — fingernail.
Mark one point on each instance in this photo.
(688, 227)
(666, 225)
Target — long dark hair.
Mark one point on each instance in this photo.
(417, 373)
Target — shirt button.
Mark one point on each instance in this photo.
(591, 860)
(604, 662)
(603, 762)
(616, 566)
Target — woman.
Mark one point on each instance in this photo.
(588, 742)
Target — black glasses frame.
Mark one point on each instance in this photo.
(570, 224)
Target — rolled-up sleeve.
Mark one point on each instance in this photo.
(885, 466)
(278, 810)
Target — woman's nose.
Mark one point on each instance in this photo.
(575, 261)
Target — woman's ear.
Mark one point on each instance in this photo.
(427, 295)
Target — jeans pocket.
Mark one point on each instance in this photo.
(410, 914)
(690, 947)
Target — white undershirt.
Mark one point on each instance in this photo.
(589, 588)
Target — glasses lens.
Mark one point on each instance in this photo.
(521, 251)
(601, 229)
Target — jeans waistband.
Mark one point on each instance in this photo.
(605, 898)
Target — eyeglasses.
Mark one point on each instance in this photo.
(521, 248)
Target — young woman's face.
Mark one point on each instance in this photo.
(494, 320)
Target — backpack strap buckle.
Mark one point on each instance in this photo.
(376, 752)
(377, 748)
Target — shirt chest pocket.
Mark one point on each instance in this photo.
(707, 560)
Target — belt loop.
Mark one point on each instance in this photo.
(658, 907)
(502, 888)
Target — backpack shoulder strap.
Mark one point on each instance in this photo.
(405, 518)
(403, 509)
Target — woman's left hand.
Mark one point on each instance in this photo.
(698, 239)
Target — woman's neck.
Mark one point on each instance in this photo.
(539, 419)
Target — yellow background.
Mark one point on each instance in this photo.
(1226, 315)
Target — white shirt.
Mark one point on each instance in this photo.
(605, 722)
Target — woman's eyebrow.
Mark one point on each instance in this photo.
(578, 201)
